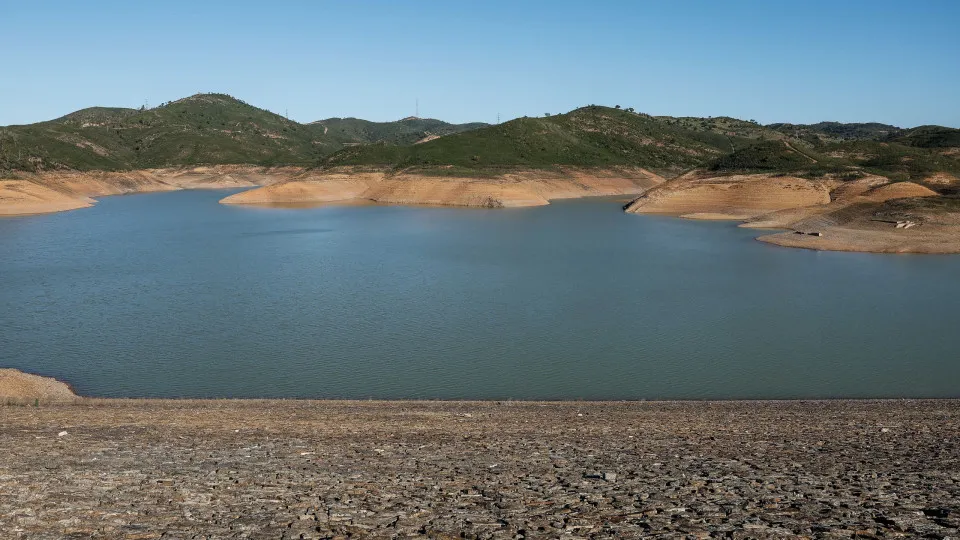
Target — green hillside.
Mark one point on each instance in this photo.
(766, 156)
(350, 131)
(201, 129)
(829, 132)
(218, 129)
(848, 158)
(587, 137)
(928, 137)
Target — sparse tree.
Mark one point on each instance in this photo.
(616, 107)
(546, 114)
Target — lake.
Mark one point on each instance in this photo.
(175, 295)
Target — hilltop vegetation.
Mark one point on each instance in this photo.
(827, 132)
(201, 129)
(587, 137)
(353, 131)
(928, 137)
(209, 129)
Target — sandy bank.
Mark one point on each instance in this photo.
(867, 220)
(857, 215)
(927, 224)
(19, 387)
(443, 470)
(529, 188)
(730, 197)
(19, 197)
(55, 191)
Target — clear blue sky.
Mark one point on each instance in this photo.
(774, 61)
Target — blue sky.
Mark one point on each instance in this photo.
(853, 61)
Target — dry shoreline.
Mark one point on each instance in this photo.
(827, 214)
(109, 468)
(870, 214)
(58, 191)
(509, 190)
(37, 193)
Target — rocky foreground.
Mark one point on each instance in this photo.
(299, 469)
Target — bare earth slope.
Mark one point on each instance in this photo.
(525, 188)
(443, 470)
(19, 387)
(918, 223)
(730, 197)
(56, 191)
(868, 214)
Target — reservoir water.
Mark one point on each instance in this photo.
(175, 295)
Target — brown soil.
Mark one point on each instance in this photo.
(730, 197)
(898, 190)
(55, 191)
(444, 470)
(529, 188)
(857, 221)
(19, 387)
(942, 179)
(828, 215)
(871, 226)
(25, 197)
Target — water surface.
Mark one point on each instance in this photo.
(174, 295)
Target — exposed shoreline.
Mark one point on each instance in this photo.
(871, 214)
(509, 190)
(820, 215)
(323, 469)
(59, 191)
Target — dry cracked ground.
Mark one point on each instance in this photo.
(297, 469)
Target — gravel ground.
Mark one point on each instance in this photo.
(302, 469)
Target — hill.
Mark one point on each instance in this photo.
(204, 129)
(591, 136)
(352, 131)
(599, 137)
(928, 137)
(827, 132)
(201, 129)
(216, 129)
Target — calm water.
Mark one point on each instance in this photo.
(175, 295)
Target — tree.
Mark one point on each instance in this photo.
(616, 107)
(546, 114)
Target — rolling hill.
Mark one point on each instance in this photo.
(204, 129)
(591, 136)
(216, 129)
(353, 131)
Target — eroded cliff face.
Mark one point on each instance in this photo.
(525, 188)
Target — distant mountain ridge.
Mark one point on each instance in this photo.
(217, 129)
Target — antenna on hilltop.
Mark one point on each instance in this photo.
(498, 118)
(416, 113)
(286, 113)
